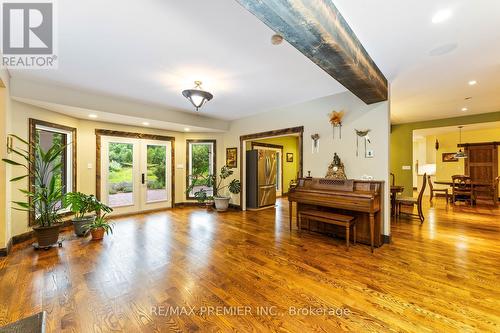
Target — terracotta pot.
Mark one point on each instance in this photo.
(47, 236)
(97, 234)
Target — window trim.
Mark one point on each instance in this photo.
(188, 160)
(34, 124)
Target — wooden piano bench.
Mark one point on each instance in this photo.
(331, 218)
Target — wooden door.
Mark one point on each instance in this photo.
(482, 164)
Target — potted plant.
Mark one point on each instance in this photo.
(98, 227)
(46, 195)
(82, 205)
(220, 188)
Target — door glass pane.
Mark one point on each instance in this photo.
(201, 166)
(156, 173)
(120, 177)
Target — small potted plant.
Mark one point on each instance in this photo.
(98, 227)
(220, 188)
(83, 205)
(45, 196)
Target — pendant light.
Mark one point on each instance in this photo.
(460, 153)
(197, 96)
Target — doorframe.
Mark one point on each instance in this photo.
(103, 132)
(269, 134)
(278, 147)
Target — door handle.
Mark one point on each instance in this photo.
(143, 179)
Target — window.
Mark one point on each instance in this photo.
(200, 163)
(48, 134)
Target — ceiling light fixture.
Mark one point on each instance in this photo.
(464, 109)
(92, 116)
(186, 129)
(460, 153)
(276, 39)
(472, 82)
(197, 96)
(441, 16)
(145, 123)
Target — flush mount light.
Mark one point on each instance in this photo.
(441, 16)
(472, 82)
(464, 109)
(276, 39)
(186, 129)
(197, 96)
(92, 116)
(145, 123)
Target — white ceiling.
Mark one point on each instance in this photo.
(399, 35)
(151, 50)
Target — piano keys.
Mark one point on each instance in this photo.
(360, 198)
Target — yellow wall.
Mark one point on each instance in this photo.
(448, 144)
(290, 145)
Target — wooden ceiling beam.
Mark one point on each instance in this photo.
(318, 30)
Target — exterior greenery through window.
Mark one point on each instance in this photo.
(201, 162)
(121, 167)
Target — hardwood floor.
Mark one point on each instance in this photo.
(442, 276)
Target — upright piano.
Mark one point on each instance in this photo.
(360, 198)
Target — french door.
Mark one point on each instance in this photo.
(135, 174)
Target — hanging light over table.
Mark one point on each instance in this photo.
(197, 96)
(460, 153)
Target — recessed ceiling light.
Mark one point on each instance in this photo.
(441, 16)
(92, 116)
(472, 82)
(187, 129)
(145, 123)
(464, 109)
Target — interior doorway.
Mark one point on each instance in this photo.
(278, 149)
(246, 143)
(135, 172)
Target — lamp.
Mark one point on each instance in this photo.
(460, 153)
(197, 96)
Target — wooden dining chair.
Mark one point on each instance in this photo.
(436, 190)
(411, 201)
(488, 190)
(462, 189)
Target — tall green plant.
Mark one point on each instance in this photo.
(45, 196)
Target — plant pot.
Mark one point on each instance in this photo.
(209, 205)
(221, 203)
(47, 236)
(79, 223)
(97, 234)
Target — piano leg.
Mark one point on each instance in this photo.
(372, 226)
(290, 213)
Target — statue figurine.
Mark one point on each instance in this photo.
(336, 169)
(336, 160)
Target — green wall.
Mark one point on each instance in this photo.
(402, 143)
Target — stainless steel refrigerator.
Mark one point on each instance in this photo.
(260, 178)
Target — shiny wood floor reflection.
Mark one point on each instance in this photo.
(441, 276)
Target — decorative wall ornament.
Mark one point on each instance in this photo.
(436, 145)
(336, 121)
(336, 169)
(315, 143)
(362, 134)
(232, 157)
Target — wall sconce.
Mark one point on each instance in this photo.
(436, 145)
